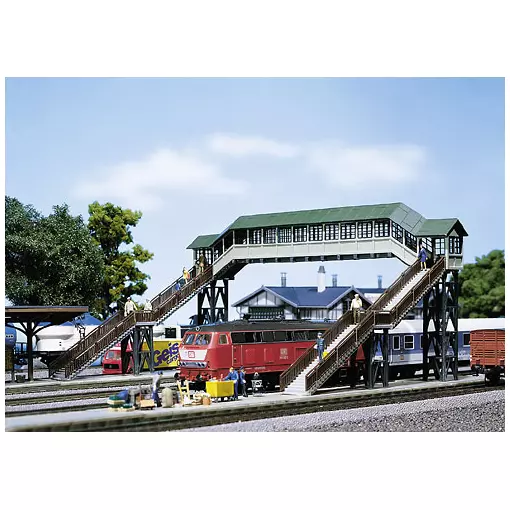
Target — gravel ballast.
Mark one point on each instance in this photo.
(477, 412)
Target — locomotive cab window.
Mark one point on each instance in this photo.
(203, 339)
(280, 336)
(189, 339)
(466, 338)
(396, 343)
(408, 342)
(223, 340)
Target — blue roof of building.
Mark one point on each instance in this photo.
(88, 320)
(308, 297)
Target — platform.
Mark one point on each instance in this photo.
(78, 420)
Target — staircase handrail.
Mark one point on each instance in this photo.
(356, 337)
(115, 326)
(308, 356)
(409, 273)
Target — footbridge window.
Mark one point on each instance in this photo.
(426, 242)
(241, 237)
(300, 234)
(364, 229)
(256, 236)
(270, 236)
(397, 232)
(348, 231)
(410, 240)
(331, 232)
(439, 246)
(455, 245)
(315, 233)
(382, 228)
(285, 235)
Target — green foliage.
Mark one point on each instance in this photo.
(50, 260)
(482, 286)
(109, 226)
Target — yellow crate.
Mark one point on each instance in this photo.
(219, 388)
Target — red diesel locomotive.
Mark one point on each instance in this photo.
(268, 348)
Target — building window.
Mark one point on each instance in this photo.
(315, 233)
(439, 246)
(265, 312)
(348, 231)
(306, 313)
(408, 342)
(397, 232)
(364, 229)
(285, 235)
(382, 228)
(410, 240)
(256, 236)
(455, 245)
(331, 232)
(319, 313)
(270, 235)
(466, 338)
(300, 234)
(396, 343)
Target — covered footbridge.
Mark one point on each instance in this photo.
(342, 233)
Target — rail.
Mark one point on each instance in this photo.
(115, 327)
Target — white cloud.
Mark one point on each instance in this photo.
(149, 183)
(238, 146)
(357, 166)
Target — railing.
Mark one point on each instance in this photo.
(116, 326)
(308, 356)
(346, 320)
(355, 338)
(414, 294)
(396, 286)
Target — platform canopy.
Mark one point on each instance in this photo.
(53, 314)
(32, 319)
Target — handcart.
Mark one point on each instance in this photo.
(220, 390)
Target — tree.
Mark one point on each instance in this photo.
(50, 260)
(482, 286)
(109, 227)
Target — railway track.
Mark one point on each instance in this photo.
(199, 416)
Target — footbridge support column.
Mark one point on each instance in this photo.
(376, 352)
(441, 328)
(213, 303)
(142, 334)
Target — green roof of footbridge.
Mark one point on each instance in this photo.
(203, 241)
(441, 227)
(400, 213)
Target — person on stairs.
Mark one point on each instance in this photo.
(356, 306)
(320, 346)
(422, 256)
(129, 307)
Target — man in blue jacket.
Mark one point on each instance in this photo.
(233, 376)
(320, 346)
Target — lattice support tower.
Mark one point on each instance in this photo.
(213, 303)
(142, 333)
(376, 365)
(441, 328)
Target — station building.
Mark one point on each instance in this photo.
(315, 303)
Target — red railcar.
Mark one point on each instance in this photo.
(488, 353)
(268, 348)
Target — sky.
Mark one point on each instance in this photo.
(195, 154)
